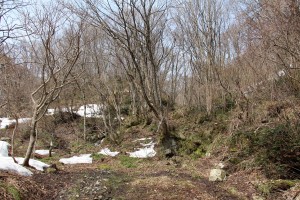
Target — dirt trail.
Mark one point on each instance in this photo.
(150, 180)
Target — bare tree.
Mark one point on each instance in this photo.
(139, 29)
(14, 91)
(8, 24)
(201, 23)
(55, 49)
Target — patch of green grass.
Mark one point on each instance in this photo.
(104, 167)
(129, 162)
(275, 185)
(49, 159)
(97, 156)
(12, 190)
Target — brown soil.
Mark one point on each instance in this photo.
(151, 179)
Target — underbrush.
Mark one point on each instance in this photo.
(197, 132)
(274, 149)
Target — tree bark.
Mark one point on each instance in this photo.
(32, 140)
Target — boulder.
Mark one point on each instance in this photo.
(217, 175)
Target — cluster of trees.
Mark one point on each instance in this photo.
(151, 54)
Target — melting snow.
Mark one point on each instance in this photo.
(8, 164)
(84, 158)
(42, 152)
(146, 152)
(34, 163)
(107, 152)
(4, 122)
(92, 110)
(4, 148)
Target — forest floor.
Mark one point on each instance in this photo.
(118, 178)
(181, 177)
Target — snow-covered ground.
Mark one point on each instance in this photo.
(4, 122)
(38, 165)
(92, 110)
(4, 148)
(42, 152)
(8, 164)
(84, 158)
(108, 152)
(146, 152)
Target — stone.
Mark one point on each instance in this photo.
(217, 175)
(254, 197)
(168, 152)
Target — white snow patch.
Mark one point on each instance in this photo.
(92, 110)
(146, 152)
(107, 152)
(4, 122)
(4, 148)
(42, 152)
(50, 111)
(84, 158)
(8, 164)
(38, 165)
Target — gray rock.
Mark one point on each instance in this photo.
(217, 175)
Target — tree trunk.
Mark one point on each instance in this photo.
(13, 139)
(168, 142)
(31, 142)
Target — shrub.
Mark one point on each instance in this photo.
(275, 149)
